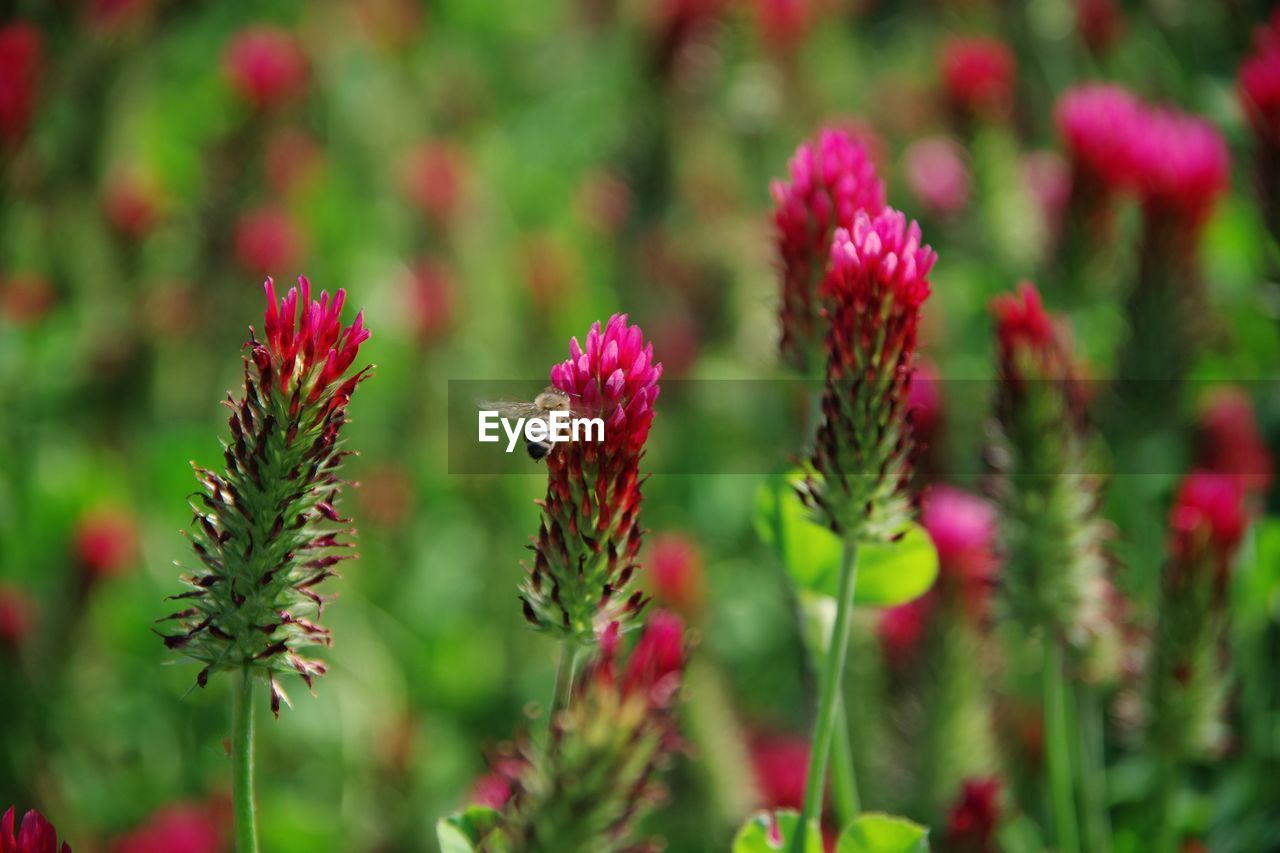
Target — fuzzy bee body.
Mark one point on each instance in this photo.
(551, 399)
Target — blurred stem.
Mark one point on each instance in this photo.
(565, 672)
(1166, 828)
(1058, 748)
(828, 702)
(844, 784)
(242, 762)
(1092, 775)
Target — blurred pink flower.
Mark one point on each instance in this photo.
(783, 25)
(494, 788)
(938, 175)
(975, 817)
(434, 179)
(181, 828)
(1182, 167)
(1099, 125)
(131, 204)
(21, 64)
(925, 405)
(902, 628)
(17, 616)
(26, 299)
(675, 335)
(1229, 442)
(978, 76)
(1100, 23)
(963, 529)
(675, 570)
(431, 297)
(1260, 81)
(1208, 519)
(267, 241)
(265, 66)
(36, 835)
(781, 766)
(106, 543)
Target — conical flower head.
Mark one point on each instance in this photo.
(964, 531)
(1099, 125)
(586, 547)
(831, 179)
(1182, 167)
(1189, 687)
(1055, 577)
(877, 281)
(597, 774)
(1260, 82)
(267, 530)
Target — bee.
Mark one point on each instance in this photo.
(551, 399)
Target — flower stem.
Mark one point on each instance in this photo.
(830, 691)
(1058, 749)
(844, 784)
(565, 672)
(1092, 779)
(242, 762)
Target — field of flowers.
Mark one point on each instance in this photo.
(935, 346)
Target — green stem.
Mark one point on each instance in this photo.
(565, 672)
(1092, 775)
(1058, 749)
(1166, 829)
(242, 762)
(844, 784)
(830, 691)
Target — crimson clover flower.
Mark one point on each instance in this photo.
(21, 62)
(267, 530)
(978, 76)
(1055, 578)
(877, 281)
(1259, 86)
(964, 531)
(975, 817)
(1182, 169)
(597, 774)
(1206, 525)
(35, 835)
(1098, 124)
(589, 537)
(179, 828)
(265, 66)
(831, 179)
(1228, 441)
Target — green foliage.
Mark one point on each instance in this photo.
(888, 573)
(766, 832)
(466, 831)
(882, 833)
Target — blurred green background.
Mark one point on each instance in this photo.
(486, 180)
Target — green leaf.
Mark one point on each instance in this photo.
(758, 834)
(881, 833)
(463, 831)
(888, 574)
